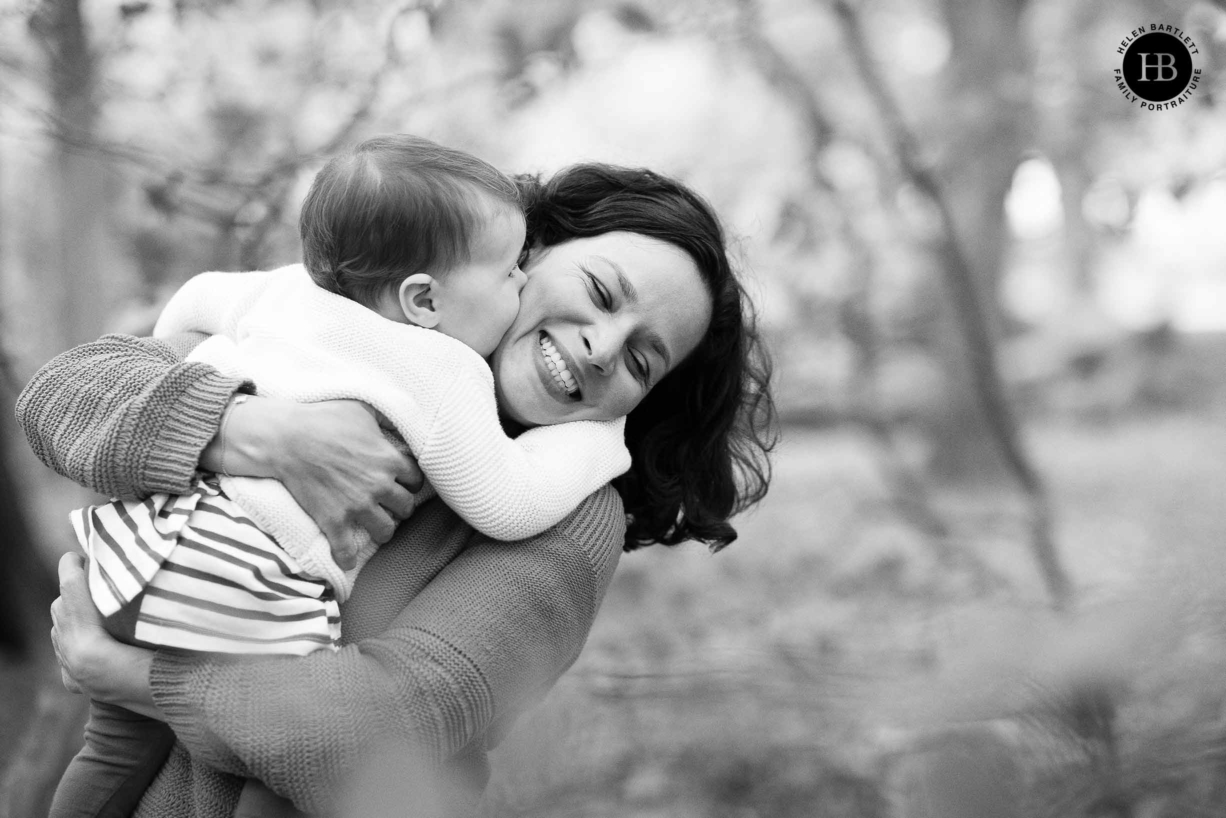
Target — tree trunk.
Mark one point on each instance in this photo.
(80, 292)
(1066, 128)
(988, 109)
(27, 584)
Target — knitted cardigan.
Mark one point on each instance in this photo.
(447, 636)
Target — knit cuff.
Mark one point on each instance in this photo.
(171, 678)
(175, 458)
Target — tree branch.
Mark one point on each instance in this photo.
(909, 497)
(963, 288)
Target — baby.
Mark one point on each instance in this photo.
(411, 278)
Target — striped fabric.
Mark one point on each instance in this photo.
(211, 580)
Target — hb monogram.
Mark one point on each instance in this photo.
(1164, 63)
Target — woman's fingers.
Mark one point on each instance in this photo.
(78, 606)
(398, 502)
(71, 570)
(70, 684)
(410, 475)
(73, 618)
(405, 469)
(348, 473)
(378, 524)
(340, 537)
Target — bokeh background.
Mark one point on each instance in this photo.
(989, 577)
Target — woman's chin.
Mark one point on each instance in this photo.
(521, 397)
(540, 408)
(526, 396)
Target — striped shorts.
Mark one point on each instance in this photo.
(192, 571)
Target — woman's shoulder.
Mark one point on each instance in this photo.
(597, 528)
(594, 531)
(599, 520)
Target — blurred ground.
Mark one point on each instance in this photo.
(788, 674)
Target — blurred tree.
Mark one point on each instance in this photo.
(78, 289)
(1066, 112)
(968, 332)
(27, 584)
(855, 314)
(985, 125)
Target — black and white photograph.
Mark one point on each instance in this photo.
(839, 430)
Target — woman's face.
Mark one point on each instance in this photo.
(601, 321)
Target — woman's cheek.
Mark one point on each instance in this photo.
(514, 372)
(619, 402)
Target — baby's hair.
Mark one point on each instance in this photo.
(393, 206)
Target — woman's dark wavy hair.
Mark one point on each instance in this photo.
(700, 439)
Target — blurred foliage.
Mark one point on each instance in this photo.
(142, 141)
(212, 117)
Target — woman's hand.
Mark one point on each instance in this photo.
(91, 660)
(347, 474)
(334, 459)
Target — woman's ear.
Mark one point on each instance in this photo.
(416, 296)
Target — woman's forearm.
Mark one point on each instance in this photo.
(124, 416)
(129, 418)
(127, 683)
(487, 635)
(252, 437)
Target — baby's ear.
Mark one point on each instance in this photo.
(416, 297)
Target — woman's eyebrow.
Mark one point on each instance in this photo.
(629, 294)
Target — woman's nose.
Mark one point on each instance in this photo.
(602, 349)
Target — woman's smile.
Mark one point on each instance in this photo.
(560, 369)
(601, 320)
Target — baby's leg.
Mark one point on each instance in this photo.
(123, 752)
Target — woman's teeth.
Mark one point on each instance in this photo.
(557, 367)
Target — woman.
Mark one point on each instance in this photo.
(448, 637)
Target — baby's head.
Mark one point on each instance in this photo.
(421, 234)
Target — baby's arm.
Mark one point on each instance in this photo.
(512, 489)
(211, 303)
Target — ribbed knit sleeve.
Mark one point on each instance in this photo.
(124, 416)
(453, 634)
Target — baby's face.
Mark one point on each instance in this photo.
(478, 301)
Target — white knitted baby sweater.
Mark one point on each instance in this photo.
(297, 341)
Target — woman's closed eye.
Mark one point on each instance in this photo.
(600, 294)
(640, 367)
